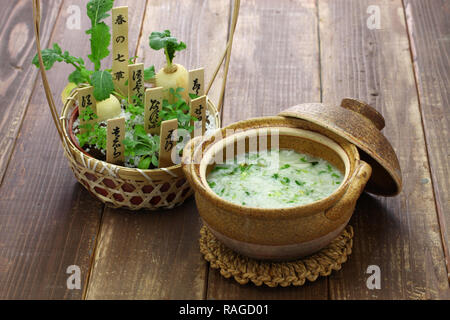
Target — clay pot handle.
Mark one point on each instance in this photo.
(355, 188)
(365, 110)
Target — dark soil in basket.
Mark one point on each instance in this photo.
(94, 152)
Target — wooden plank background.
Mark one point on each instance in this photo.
(18, 76)
(400, 234)
(429, 32)
(285, 52)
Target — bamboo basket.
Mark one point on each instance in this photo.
(118, 186)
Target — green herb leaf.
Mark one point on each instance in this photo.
(144, 163)
(97, 10)
(155, 161)
(163, 40)
(80, 76)
(244, 167)
(149, 73)
(212, 184)
(93, 136)
(49, 57)
(76, 77)
(144, 146)
(100, 40)
(178, 110)
(88, 114)
(132, 60)
(54, 54)
(285, 180)
(103, 85)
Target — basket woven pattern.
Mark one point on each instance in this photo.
(273, 274)
(131, 188)
(119, 186)
(132, 194)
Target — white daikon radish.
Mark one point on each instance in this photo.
(108, 109)
(172, 75)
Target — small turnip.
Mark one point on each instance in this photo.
(108, 109)
(175, 77)
(67, 91)
(172, 75)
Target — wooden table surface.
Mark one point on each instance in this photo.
(285, 52)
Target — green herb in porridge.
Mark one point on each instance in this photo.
(274, 179)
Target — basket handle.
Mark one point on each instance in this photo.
(227, 54)
(48, 92)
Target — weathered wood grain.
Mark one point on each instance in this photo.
(151, 255)
(401, 234)
(47, 220)
(155, 255)
(17, 75)
(429, 32)
(274, 65)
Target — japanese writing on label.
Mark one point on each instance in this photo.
(120, 19)
(87, 107)
(197, 109)
(136, 82)
(86, 101)
(115, 135)
(116, 144)
(153, 105)
(196, 83)
(168, 141)
(120, 48)
(196, 87)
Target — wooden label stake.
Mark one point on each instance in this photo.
(136, 82)
(120, 48)
(115, 150)
(153, 105)
(197, 109)
(168, 141)
(85, 98)
(196, 83)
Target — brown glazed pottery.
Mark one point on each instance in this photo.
(278, 234)
(290, 233)
(360, 124)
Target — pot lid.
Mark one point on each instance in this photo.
(360, 124)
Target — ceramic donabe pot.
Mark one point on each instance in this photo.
(277, 234)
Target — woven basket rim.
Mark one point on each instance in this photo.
(121, 171)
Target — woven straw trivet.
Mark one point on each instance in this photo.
(272, 274)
